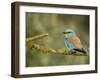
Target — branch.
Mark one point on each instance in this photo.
(36, 37)
(30, 44)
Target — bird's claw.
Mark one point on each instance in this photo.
(72, 52)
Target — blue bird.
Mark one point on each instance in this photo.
(72, 41)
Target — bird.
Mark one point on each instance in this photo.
(73, 42)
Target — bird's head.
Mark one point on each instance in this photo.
(68, 33)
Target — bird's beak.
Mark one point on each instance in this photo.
(63, 32)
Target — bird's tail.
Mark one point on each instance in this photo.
(80, 50)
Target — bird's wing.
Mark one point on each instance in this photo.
(68, 44)
(75, 41)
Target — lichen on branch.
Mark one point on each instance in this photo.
(30, 44)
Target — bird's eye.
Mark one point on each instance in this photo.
(68, 32)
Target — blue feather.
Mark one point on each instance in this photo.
(68, 44)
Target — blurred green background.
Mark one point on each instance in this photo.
(54, 25)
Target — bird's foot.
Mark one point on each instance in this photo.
(72, 51)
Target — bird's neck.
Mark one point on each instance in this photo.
(68, 36)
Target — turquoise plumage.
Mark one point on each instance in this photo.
(68, 44)
(72, 42)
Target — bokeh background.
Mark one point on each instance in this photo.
(54, 25)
